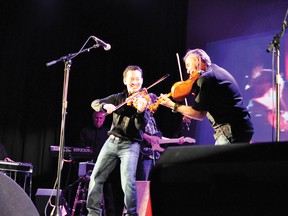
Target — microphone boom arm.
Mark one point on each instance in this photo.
(71, 55)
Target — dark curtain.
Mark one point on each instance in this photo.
(146, 33)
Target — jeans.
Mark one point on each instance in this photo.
(223, 134)
(128, 152)
(222, 140)
(144, 167)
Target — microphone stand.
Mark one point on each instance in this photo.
(68, 62)
(275, 46)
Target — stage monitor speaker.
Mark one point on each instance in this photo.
(41, 200)
(238, 179)
(14, 200)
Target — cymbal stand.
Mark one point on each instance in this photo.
(275, 46)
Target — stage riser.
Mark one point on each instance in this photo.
(242, 179)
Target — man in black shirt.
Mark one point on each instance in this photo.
(218, 97)
(129, 121)
(94, 136)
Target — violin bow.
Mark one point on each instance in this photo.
(136, 94)
(181, 77)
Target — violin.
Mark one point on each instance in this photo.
(133, 99)
(179, 91)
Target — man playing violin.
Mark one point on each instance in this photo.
(218, 97)
(123, 142)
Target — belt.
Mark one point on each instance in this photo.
(223, 129)
(114, 137)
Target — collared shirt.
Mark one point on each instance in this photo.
(152, 130)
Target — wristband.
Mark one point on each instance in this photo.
(175, 107)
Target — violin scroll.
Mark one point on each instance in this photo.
(154, 106)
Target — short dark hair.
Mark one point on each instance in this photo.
(131, 68)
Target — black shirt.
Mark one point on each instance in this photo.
(217, 92)
(127, 122)
(94, 138)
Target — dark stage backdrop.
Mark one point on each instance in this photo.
(32, 33)
(148, 33)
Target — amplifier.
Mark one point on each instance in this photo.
(85, 168)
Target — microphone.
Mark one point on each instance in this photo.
(106, 46)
